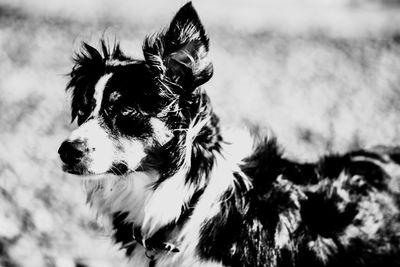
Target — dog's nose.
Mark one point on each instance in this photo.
(71, 152)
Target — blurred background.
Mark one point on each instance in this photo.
(324, 75)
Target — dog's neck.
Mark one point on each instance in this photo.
(186, 163)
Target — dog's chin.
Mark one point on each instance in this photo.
(116, 169)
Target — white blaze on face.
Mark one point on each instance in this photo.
(99, 92)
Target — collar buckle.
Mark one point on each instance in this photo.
(152, 246)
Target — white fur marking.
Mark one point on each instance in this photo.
(132, 152)
(99, 91)
(162, 133)
(122, 194)
(165, 203)
(116, 62)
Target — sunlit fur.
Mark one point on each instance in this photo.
(172, 184)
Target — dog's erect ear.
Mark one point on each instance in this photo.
(181, 52)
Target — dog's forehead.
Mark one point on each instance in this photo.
(131, 78)
(121, 79)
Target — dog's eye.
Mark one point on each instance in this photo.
(81, 116)
(127, 111)
(114, 96)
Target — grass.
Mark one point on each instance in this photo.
(321, 84)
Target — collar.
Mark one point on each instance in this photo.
(153, 245)
(155, 242)
(130, 235)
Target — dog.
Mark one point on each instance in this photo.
(178, 190)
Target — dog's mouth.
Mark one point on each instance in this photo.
(76, 170)
(118, 169)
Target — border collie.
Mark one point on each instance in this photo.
(179, 191)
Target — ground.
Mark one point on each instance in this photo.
(323, 75)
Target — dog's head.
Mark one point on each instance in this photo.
(128, 109)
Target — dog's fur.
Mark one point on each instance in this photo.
(178, 191)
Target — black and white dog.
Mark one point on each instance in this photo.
(179, 191)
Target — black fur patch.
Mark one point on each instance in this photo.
(123, 234)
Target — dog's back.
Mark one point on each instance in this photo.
(340, 211)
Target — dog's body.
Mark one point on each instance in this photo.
(179, 191)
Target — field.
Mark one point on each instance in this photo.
(323, 75)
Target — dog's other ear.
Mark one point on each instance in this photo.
(89, 66)
(181, 52)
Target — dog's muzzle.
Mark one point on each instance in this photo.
(72, 152)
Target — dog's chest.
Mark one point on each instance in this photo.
(111, 197)
(115, 194)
